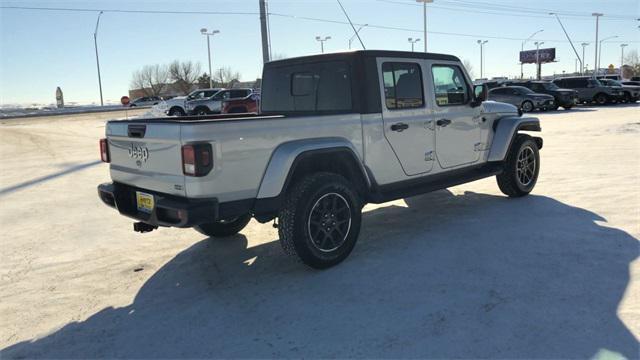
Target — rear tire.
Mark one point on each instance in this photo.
(176, 111)
(224, 227)
(601, 99)
(201, 111)
(568, 107)
(320, 220)
(521, 168)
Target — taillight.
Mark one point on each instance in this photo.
(104, 151)
(197, 159)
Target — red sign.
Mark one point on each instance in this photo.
(124, 100)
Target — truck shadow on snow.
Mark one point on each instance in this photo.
(466, 276)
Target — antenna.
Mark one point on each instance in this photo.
(350, 23)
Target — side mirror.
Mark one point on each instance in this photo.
(479, 94)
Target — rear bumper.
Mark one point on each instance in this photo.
(168, 210)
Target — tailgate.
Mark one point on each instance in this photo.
(146, 155)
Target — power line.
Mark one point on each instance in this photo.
(505, 10)
(307, 18)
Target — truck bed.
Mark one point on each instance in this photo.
(199, 118)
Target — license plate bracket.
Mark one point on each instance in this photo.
(145, 202)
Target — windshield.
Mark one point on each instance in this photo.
(594, 82)
(614, 83)
(550, 86)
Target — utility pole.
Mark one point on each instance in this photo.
(522, 49)
(95, 42)
(575, 67)
(356, 34)
(481, 43)
(622, 46)
(568, 38)
(424, 20)
(595, 71)
(600, 48)
(205, 32)
(264, 30)
(322, 40)
(412, 41)
(538, 67)
(583, 67)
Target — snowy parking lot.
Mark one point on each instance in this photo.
(460, 273)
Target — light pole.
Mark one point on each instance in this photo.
(424, 18)
(412, 41)
(95, 42)
(322, 40)
(595, 71)
(622, 46)
(538, 69)
(205, 32)
(584, 67)
(481, 43)
(600, 48)
(522, 49)
(356, 34)
(575, 66)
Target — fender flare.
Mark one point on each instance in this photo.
(284, 157)
(504, 132)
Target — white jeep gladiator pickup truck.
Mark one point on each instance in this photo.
(336, 131)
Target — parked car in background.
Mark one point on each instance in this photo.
(177, 105)
(630, 93)
(522, 97)
(566, 98)
(145, 101)
(589, 89)
(213, 104)
(635, 83)
(249, 104)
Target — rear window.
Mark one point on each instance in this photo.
(320, 87)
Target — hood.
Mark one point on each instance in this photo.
(494, 107)
(631, 87)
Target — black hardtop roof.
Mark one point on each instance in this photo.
(360, 54)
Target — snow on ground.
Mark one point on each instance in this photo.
(461, 273)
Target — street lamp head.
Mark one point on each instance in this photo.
(597, 14)
(318, 38)
(215, 32)
(623, 45)
(327, 38)
(585, 43)
(410, 39)
(203, 31)
(424, 1)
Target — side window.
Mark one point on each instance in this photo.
(402, 85)
(450, 85)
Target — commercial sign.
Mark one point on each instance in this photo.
(545, 56)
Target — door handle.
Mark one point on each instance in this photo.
(399, 127)
(443, 122)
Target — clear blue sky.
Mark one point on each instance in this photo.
(41, 50)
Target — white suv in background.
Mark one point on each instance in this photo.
(177, 105)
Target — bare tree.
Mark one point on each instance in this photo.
(224, 77)
(152, 79)
(469, 67)
(632, 59)
(184, 75)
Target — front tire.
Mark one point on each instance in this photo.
(224, 228)
(320, 220)
(527, 106)
(521, 168)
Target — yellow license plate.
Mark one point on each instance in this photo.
(144, 201)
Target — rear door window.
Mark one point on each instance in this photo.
(402, 85)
